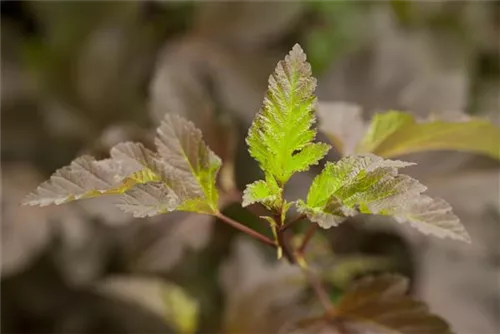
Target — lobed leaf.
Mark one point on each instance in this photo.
(380, 304)
(310, 155)
(281, 136)
(181, 176)
(369, 184)
(267, 193)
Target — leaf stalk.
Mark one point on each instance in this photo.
(245, 229)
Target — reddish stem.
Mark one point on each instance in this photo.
(293, 221)
(297, 258)
(246, 230)
(289, 253)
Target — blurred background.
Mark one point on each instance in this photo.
(79, 77)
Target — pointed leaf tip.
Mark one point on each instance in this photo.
(85, 177)
(281, 137)
(297, 53)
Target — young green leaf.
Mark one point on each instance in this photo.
(181, 176)
(397, 133)
(281, 137)
(369, 184)
(380, 303)
(268, 193)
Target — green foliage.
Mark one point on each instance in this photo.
(181, 176)
(266, 192)
(381, 304)
(370, 184)
(181, 310)
(280, 138)
(396, 133)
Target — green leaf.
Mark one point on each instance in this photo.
(396, 133)
(181, 310)
(280, 138)
(267, 193)
(181, 176)
(380, 303)
(371, 185)
(310, 155)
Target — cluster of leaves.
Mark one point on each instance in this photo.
(182, 176)
(281, 138)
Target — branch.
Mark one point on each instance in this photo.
(283, 242)
(246, 230)
(293, 256)
(296, 257)
(293, 221)
(311, 277)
